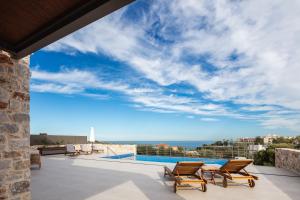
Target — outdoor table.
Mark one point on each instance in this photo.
(210, 169)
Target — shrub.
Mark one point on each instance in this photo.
(281, 145)
(265, 157)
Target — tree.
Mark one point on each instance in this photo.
(296, 142)
(265, 157)
(218, 143)
(225, 142)
(146, 150)
(281, 145)
(259, 140)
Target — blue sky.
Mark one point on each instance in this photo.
(173, 70)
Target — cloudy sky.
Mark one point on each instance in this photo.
(166, 70)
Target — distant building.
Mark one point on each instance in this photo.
(252, 148)
(191, 153)
(246, 139)
(165, 146)
(269, 138)
(174, 148)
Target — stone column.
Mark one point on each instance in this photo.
(14, 128)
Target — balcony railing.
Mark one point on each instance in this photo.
(237, 150)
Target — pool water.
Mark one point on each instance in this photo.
(167, 159)
(120, 156)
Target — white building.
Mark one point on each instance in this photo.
(254, 148)
(269, 138)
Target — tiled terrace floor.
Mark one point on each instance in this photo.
(87, 178)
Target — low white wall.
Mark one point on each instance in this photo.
(112, 149)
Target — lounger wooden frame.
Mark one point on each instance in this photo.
(185, 173)
(232, 167)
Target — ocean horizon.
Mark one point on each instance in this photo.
(186, 144)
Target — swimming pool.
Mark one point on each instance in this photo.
(167, 159)
(120, 156)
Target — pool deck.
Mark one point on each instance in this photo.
(92, 178)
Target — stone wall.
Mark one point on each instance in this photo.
(288, 159)
(14, 128)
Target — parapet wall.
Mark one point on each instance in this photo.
(44, 139)
(111, 149)
(288, 159)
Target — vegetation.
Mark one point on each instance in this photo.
(147, 150)
(282, 140)
(161, 151)
(226, 149)
(220, 143)
(47, 142)
(267, 157)
(207, 151)
(100, 142)
(296, 142)
(259, 140)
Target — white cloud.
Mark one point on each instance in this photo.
(71, 81)
(276, 122)
(149, 98)
(55, 88)
(191, 116)
(206, 119)
(255, 108)
(265, 36)
(96, 96)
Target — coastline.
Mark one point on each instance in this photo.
(186, 144)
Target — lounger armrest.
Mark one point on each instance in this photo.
(245, 174)
(168, 171)
(255, 177)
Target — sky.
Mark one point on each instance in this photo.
(174, 70)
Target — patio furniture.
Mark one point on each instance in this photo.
(211, 169)
(98, 148)
(86, 148)
(52, 150)
(70, 149)
(186, 173)
(235, 169)
(77, 148)
(35, 158)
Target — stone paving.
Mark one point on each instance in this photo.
(92, 178)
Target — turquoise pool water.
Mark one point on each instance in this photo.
(168, 159)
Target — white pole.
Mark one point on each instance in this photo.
(92, 136)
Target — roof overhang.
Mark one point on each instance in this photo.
(27, 26)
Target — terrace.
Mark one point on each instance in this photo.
(85, 177)
(90, 177)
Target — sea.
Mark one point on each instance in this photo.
(185, 144)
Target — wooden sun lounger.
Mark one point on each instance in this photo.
(235, 169)
(185, 173)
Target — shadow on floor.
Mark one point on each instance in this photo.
(61, 179)
(286, 181)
